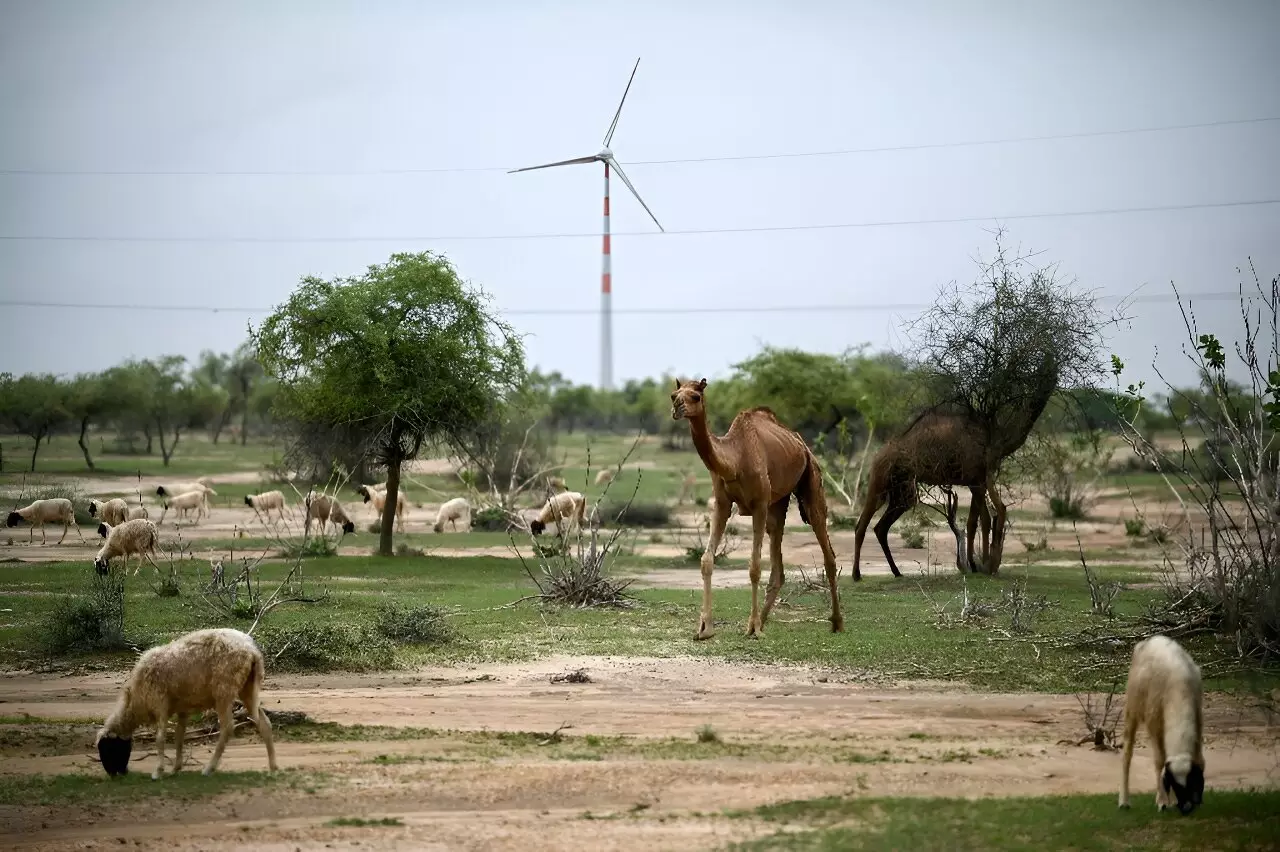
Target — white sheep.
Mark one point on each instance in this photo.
(184, 503)
(1164, 695)
(267, 501)
(138, 512)
(452, 511)
(173, 489)
(324, 508)
(372, 493)
(138, 536)
(113, 511)
(604, 476)
(556, 483)
(202, 670)
(566, 508)
(56, 510)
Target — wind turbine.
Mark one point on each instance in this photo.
(606, 275)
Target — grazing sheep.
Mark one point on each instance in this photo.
(137, 536)
(556, 483)
(184, 503)
(1164, 694)
(452, 511)
(324, 508)
(202, 670)
(568, 507)
(379, 500)
(267, 501)
(138, 512)
(113, 511)
(174, 488)
(604, 476)
(56, 510)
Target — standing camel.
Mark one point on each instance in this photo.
(942, 448)
(758, 464)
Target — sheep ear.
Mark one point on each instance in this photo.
(702, 385)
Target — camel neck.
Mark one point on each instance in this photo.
(708, 447)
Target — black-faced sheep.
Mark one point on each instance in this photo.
(566, 508)
(56, 510)
(1164, 695)
(113, 511)
(452, 511)
(267, 501)
(372, 494)
(203, 670)
(184, 503)
(138, 537)
(324, 508)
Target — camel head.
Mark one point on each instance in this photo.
(687, 400)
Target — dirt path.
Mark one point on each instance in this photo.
(910, 739)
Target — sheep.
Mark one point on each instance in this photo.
(604, 476)
(556, 483)
(566, 509)
(138, 512)
(1164, 694)
(379, 499)
(137, 536)
(56, 510)
(184, 503)
(451, 511)
(267, 501)
(201, 670)
(324, 508)
(113, 511)
(174, 488)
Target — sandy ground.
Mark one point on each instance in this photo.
(1012, 745)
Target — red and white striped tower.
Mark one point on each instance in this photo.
(606, 298)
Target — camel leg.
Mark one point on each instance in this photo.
(759, 518)
(873, 501)
(718, 520)
(898, 505)
(997, 527)
(774, 523)
(817, 508)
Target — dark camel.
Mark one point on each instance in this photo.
(758, 464)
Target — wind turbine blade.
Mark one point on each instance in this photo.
(608, 137)
(575, 161)
(617, 168)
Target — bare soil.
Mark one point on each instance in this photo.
(921, 739)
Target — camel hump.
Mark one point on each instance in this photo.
(765, 410)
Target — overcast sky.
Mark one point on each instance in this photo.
(362, 87)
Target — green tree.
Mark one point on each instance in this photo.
(88, 400)
(211, 388)
(171, 400)
(402, 355)
(32, 405)
(244, 378)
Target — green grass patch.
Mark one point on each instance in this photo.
(79, 788)
(1227, 820)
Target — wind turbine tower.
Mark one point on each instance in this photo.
(606, 271)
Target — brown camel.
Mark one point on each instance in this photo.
(941, 448)
(758, 464)
(937, 449)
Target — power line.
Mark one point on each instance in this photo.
(926, 146)
(665, 311)
(595, 235)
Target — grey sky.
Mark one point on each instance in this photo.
(347, 87)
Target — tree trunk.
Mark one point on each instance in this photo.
(166, 452)
(223, 420)
(40, 433)
(146, 432)
(389, 509)
(244, 415)
(84, 447)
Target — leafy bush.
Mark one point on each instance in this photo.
(646, 515)
(1135, 527)
(1067, 508)
(312, 546)
(694, 554)
(842, 522)
(90, 622)
(325, 646)
(418, 624)
(491, 519)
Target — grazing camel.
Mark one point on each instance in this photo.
(758, 464)
(936, 449)
(949, 448)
